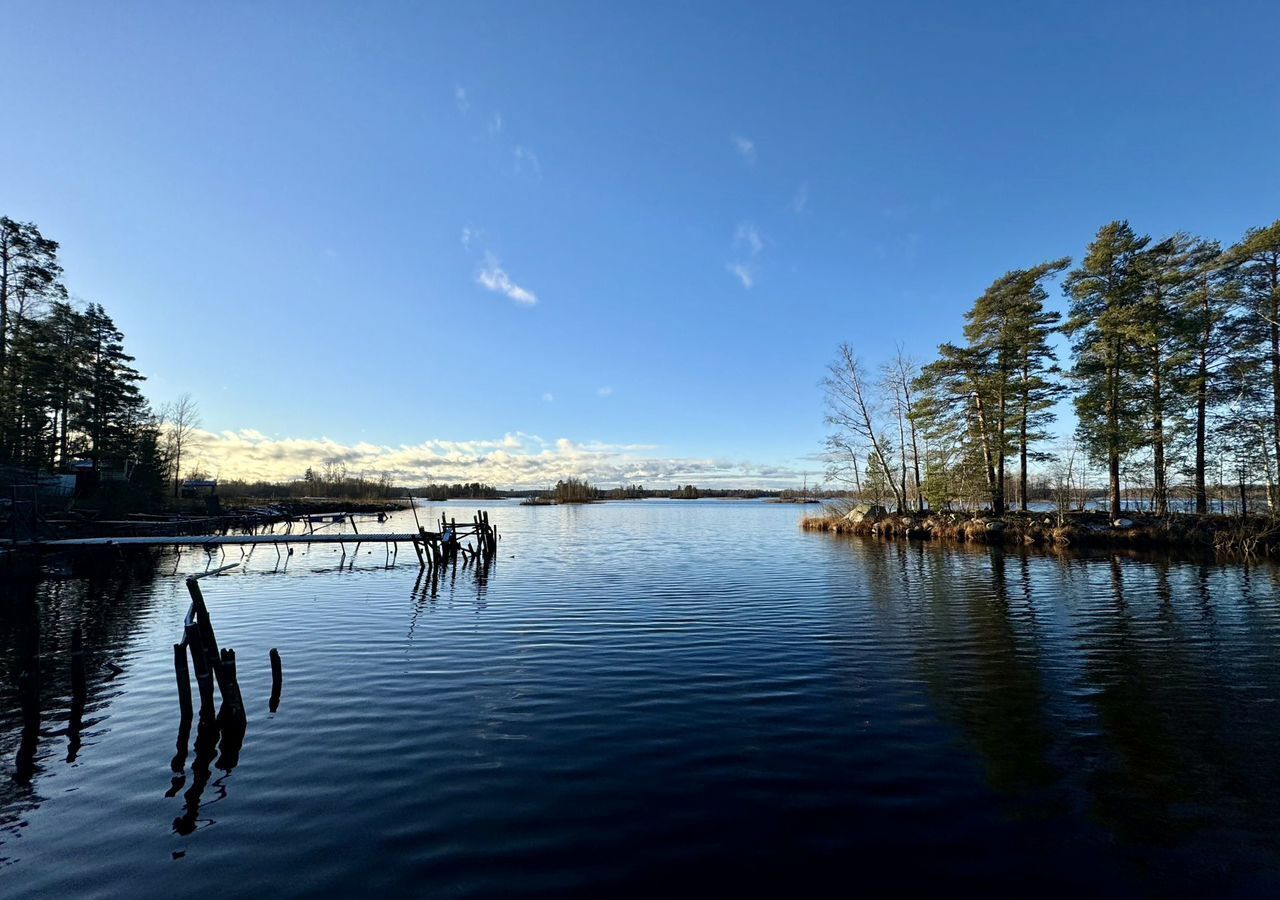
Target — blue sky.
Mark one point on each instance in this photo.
(625, 240)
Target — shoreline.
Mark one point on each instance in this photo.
(1232, 536)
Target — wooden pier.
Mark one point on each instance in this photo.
(434, 548)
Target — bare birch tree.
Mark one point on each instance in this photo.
(181, 420)
(855, 411)
(899, 374)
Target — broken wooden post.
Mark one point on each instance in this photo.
(232, 702)
(204, 674)
(277, 679)
(208, 640)
(425, 554)
(183, 675)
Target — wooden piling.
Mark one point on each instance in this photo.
(204, 673)
(208, 641)
(426, 550)
(232, 702)
(216, 661)
(183, 674)
(277, 679)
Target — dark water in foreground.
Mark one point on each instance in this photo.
(670, 698)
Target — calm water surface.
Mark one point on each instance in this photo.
(666, 698)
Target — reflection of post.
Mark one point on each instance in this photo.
(233, 731)
(206, 747)
(28, 682)
(76, 715)
(178, 764)
(277, 679)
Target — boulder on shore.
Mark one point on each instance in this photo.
(866, 512)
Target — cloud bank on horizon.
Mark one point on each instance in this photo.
(514, 461)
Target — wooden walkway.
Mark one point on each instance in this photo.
(214, 540)
(434, 548)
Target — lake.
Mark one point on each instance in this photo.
(664, 698)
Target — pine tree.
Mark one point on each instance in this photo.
(66, 373)
(1010, 327)
(111, 407)
(1105, 293)
(959, 388)
(1207, 307)
(1256, 264)
(1163, 337)
(29, 273)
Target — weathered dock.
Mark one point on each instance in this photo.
(216, 540)
(433, 548)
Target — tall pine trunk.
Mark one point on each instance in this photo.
(1113, 429)
(1160, 490)
(1275, 359)
(902, 458)
(915, 460)
(1022, 439)
(998, 507)
(1202, 411)
(987, 456)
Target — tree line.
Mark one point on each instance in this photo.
(1174, 373)
(68, 389)
(69, 392)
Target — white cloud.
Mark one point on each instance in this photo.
(527, 162)
(548, 397)
(515, 460)
(495, 123)
(469, 234)
(746, 148)
(749, 237)
(460, 97)
(604, 391)
(800, 199)
(493, 277)
(743, 272)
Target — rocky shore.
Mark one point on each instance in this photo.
(1254, 536)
